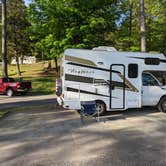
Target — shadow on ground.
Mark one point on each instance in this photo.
(57, 137)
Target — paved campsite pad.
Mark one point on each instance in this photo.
(57, 137)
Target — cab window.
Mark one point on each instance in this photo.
(149, 80)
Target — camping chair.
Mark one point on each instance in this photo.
(89, 110)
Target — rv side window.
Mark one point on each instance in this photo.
(133, 70)
(152, 61)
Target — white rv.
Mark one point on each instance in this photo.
(113, 80)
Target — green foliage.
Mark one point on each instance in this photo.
(156, 25)
(57, 25)
(127, 35)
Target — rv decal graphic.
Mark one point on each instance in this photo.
(75, 78)
(91, 67)
(80, 60)
(80, 71)
(128, 84)
(86, 92)
(89, 80)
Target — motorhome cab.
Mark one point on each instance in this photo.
(113, 80)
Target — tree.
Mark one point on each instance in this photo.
(18, 39)
(155, 25)
(4, 48)
(126, 36)
(57, 25)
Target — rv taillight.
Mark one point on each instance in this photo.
(58, 87)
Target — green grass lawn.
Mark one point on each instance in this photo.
(43, 82)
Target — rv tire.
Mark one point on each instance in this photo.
(101, 107)
(162, 104)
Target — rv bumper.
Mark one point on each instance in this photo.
(69, 104)
(60, 101)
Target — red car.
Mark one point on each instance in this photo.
(10, 87)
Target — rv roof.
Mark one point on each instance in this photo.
(81, 52)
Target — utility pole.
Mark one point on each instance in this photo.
(142, 26)
(4, 40)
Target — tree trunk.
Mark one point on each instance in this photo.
(56, 63)
(4, 37)
(42, 55)
(142, 26)
(165, 36)
(18, 66)
(130, 23)
(131, 17)
(22, 59)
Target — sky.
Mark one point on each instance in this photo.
(27, 2)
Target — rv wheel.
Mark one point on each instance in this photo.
(162, 105)
(101, 107)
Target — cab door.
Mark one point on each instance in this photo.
(151, 91)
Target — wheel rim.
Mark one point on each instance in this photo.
(164, 105)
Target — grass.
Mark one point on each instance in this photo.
(43, 82)
(43, 85)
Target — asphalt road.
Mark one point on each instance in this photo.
(58, 137)
(27, 100)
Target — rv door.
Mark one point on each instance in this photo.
(117, 86)
(151, 90)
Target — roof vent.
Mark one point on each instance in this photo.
(104, 48)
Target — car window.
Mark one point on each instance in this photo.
(5, 80)
(11, 80)
(148, 80)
